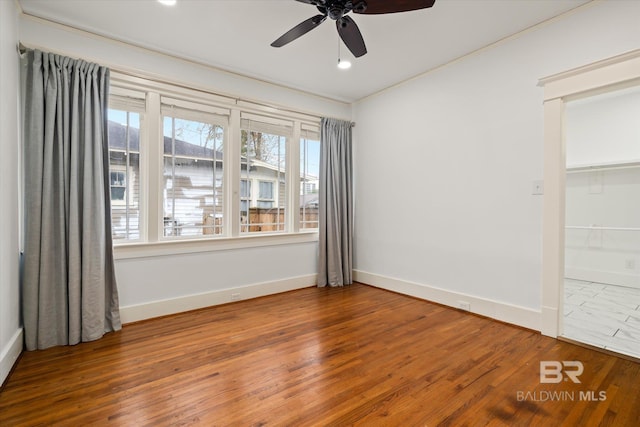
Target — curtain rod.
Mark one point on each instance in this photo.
(22, 49)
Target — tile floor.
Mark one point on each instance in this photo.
(601, 315)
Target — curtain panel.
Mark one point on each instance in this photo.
(335, 204)
(69, 291)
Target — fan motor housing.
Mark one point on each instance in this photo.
(336, 9)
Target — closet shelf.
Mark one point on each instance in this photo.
(595, 227)
(603, 166)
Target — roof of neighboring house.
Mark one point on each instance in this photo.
(118, 137)
(309, 199)
(118, 141)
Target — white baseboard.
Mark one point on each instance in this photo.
(516, 315)
(134, 313)
(10, 354)
(602, 276)
(549, 322)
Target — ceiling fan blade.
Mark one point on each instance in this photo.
(374, 7)
(351, 36)
(299, 30)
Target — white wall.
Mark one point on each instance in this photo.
(10, 328)
(456, 219)
(155, 285)
(37, 33)
(603, 129)
(158, 285)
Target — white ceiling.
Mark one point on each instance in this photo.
(235, 35)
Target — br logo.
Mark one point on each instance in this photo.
(553, 371)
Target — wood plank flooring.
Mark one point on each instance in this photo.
(327, 357)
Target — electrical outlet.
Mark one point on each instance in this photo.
(630, 264)
(235, 297)
(463, 305)
(538, 188)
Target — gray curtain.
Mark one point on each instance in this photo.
(336, 204)
(69, 290)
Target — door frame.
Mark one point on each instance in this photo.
(603, 76)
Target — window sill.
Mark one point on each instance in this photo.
(178, 247)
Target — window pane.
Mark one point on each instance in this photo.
(117, 193)
(262, 166)
(124, 166)
(266, 190)
(193, 179)
(245, 189)
(117, 186)
(309, 182)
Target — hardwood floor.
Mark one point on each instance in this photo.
(329, 357)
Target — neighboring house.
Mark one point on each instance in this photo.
(124, 172)
(309, 188)
(309, 200)
(193, 193)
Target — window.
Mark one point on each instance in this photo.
(263, 162)
(124, 172)
(188, 165)
(265, 196)
(192, 194)
(309, 177)
(118, 186)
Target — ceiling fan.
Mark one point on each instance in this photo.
(347, 28)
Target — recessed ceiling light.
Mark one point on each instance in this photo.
(168, 2)
(344, 65)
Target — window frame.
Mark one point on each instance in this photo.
(202, 113)
(131, 101)
(151, 224)
(281, 129)
(308, 133)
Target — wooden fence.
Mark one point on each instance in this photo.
(263, 220)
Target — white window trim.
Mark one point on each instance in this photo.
(205, 116)
(309, 132)
(134, 102)
(137, 249)
(284, 129)
(147, 96)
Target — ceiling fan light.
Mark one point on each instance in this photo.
(344, 65)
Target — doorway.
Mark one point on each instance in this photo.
(601, 296)
(619, 72)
